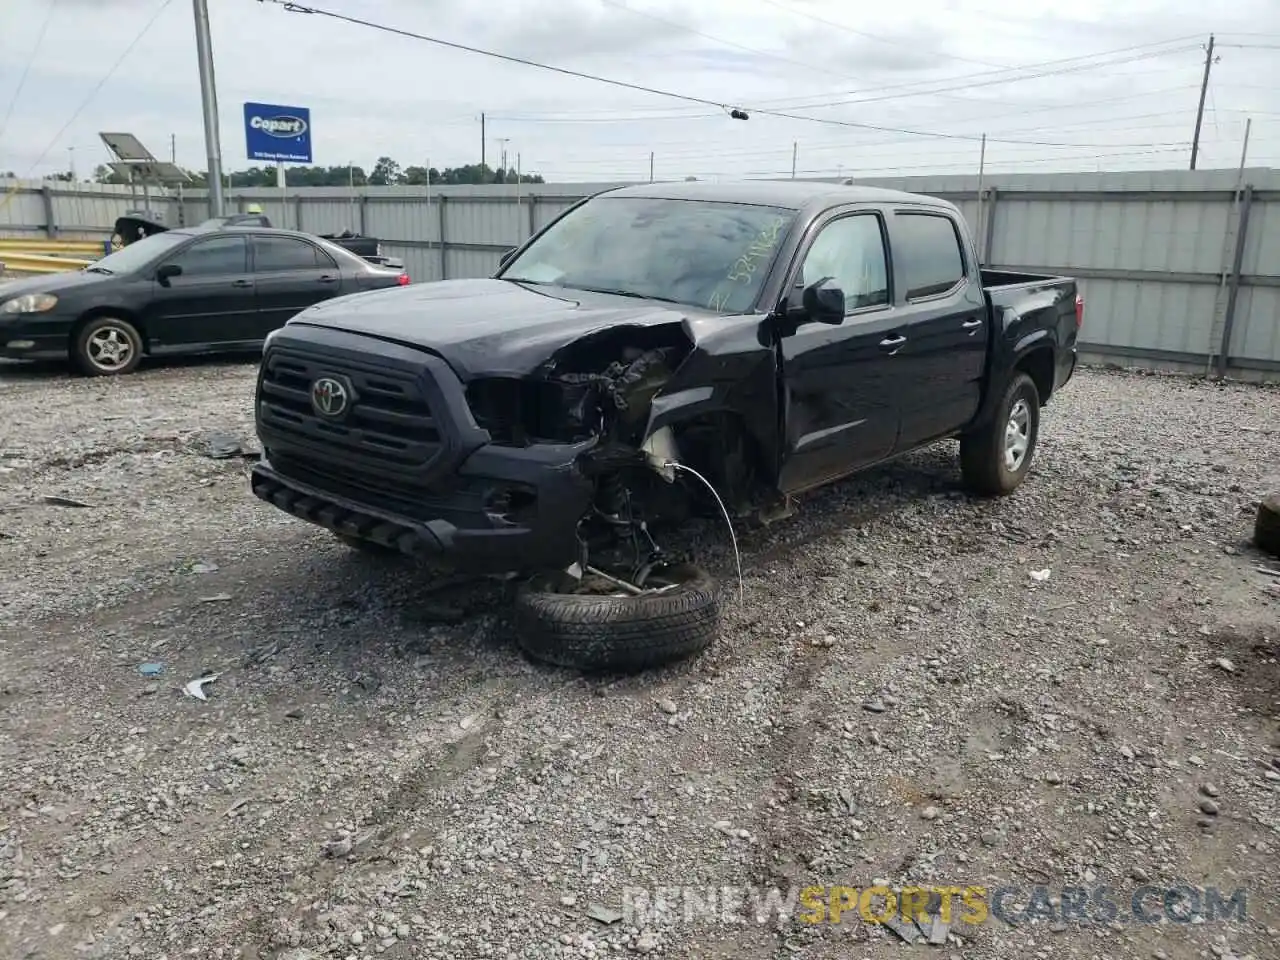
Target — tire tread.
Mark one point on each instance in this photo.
(619, 633)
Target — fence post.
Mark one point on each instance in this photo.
(297, 214)
(444, 265)
(50, 224)
(364, 202)
(989, 226)
(533, 215)
(1233, 290)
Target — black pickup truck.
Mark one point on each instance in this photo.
(765, 338)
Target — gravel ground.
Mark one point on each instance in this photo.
(378, 771)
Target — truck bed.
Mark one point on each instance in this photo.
(1007, 288)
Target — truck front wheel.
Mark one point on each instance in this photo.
(995, 458)
(590, 625)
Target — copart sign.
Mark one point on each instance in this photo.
(276, 132)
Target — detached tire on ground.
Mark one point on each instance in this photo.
(106, 347)
(1266, 529)
(996, 458)
(622, 632)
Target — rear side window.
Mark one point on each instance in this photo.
(285, 253)
(928, 248)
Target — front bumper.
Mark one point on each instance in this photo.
(35, 337)
(471, 525)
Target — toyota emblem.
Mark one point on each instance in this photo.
(329, 397)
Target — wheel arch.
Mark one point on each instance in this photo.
(1038, 363)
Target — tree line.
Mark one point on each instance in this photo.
(386, 172)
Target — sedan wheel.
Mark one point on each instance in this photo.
(108, 346)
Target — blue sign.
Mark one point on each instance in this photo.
(277, 133)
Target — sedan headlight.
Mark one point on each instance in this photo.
(30, 303)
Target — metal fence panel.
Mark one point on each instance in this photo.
(1151, 250)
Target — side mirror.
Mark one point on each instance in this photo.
(167, 270)
(821, 302)
(506, 257)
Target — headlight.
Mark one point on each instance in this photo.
(30, 303)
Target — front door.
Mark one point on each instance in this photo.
(839, 392)
(291, 274)
(210, 302)
(944, 357)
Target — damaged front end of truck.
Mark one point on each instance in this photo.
(668, 424)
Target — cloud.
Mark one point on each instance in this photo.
(374, 93)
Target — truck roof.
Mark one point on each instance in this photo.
(789, 194)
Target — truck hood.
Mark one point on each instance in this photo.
(488, 327)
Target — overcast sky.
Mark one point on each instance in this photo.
(937, 67)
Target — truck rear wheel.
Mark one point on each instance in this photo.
(1266, 529)
(591, 625)
(995, 459)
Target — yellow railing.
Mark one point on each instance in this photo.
(14, 262)
(82, 248)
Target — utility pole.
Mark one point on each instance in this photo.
(209, 104)
(651, 166)
(795, 146)
(173, 148)
(482, 143)
(1204, 89)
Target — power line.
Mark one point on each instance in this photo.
(22, 80)
(853, 170)
(996, 81)
(164, 5)
(291, 6)
(807, 67)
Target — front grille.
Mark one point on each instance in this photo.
(389, 423)
(402, 497)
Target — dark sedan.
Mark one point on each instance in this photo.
(197, 290)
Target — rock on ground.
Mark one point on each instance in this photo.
(377, 771)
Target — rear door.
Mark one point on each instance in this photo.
(941, 363)
(210, 302)
(290, 275)
(839, 380)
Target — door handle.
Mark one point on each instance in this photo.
(242, 283)
(328, 278)
(970, 324)
(892, 343)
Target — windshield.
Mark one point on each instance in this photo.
(138, 254)
(709, 255)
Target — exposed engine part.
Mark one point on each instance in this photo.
(625, 390)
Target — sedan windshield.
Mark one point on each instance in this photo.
(708, 255)
(138, 254)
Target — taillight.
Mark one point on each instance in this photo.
(403, 280)
(1079, 311)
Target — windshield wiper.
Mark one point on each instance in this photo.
(97, 269)
(628, 293)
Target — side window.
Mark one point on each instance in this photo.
(928, 248)
(851, 251)
(272, 254)
(215, 257)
